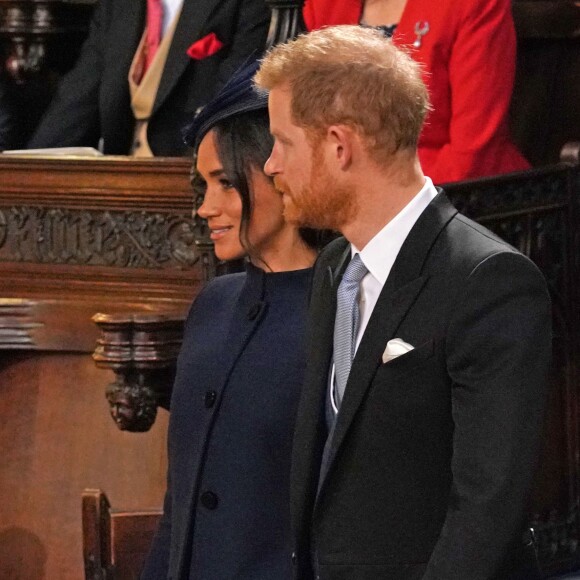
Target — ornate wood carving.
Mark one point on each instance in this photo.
(78, 236)
(97, 238)
(28, 27)
(142, 351)
(286, 22)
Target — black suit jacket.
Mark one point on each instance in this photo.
(432, 453)
(7, 118)
(93, 99)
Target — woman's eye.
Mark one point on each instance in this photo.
(226, 183)
(198, 184)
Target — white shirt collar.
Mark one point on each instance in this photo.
(170, 10)
(380, 253)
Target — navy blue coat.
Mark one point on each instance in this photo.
(226, 512)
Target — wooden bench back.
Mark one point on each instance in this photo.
(115, 542)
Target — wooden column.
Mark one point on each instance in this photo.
(39, 41)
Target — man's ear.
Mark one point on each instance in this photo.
(340, 141)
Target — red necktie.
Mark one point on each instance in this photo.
(154, 28)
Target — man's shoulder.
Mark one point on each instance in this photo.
(465, 243)
(475, 238)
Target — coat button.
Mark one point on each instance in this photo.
(209, 399)
(254, 311)
(294, 558)
(209, 500)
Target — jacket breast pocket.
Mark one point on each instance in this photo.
(414, 370)
(414, 358)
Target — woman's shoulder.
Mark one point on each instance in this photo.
(222, 287)
(217, 294)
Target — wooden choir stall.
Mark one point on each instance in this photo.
(77, 237)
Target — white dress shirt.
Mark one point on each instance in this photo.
(170, 10)
(380, 254)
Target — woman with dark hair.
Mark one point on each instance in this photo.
(226, 510)
(468, 52)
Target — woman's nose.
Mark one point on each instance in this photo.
(208, 208)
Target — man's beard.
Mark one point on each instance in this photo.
(321, 204)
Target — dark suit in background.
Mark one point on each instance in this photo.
(432, 453)
(93, 100)
(7, 118)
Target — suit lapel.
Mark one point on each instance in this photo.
(401, 290)
(192, 19)
(310, 431)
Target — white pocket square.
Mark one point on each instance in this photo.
(396, 347)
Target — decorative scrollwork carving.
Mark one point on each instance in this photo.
(530, 214)
(119, 239)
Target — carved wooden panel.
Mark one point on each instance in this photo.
(78, 236)
(28, 29)
(537, 212)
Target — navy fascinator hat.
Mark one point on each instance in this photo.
(238, 95)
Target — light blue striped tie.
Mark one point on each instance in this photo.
(346, 324)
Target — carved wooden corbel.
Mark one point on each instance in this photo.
(141, 349)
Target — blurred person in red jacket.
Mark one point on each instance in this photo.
(467, 49)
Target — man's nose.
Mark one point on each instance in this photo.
(271, 167)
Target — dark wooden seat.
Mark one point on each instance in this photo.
(115, 542)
